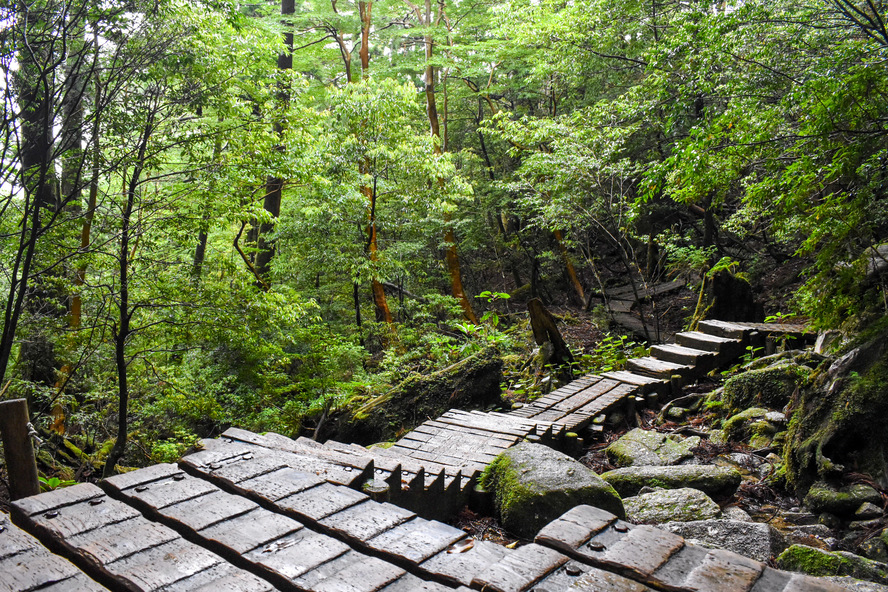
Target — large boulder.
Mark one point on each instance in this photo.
(841, 501)
(640, 447)
(816, 562)
(472, 382)
(670, 505)
(711, 480)
(769, 387)
(752, 539)
(532, 485)
(838, 422)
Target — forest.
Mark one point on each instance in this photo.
(216, 213)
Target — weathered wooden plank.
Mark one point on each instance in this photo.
(209, 509)
(35, 568)
(679, 354)
(168, 491)
(116, 541)
(772, 580)
(296, 554)
(162, 565)
(350, 572)
(724, 329)
(71, 519)
(80, 582)
(220, 578)
(280, 484)
(705, 341)
(321, 501)
(520, 569)
(249, 531)
(673, 574)
(366, 520)
(416, 540)
(580, 578)
(657, 368)
(459, 564)
(411, 583)
(723, 571)
(574, 527)
(641, 551)
(802, 583)
(56, 499)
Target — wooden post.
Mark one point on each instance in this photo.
(21, 466)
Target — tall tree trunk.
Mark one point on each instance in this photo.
(125, 313)
(440, 144)
(274, 185)
(569, 266)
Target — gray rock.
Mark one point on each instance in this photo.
(843, 501)
(670, 505)
(712, 480)
(856, 585)
(867, 511)
(649, 448)
(754, 540)
(736, 514)
(817, 562)
(874, 549)
(532, 485)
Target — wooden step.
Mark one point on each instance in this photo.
(658, 368)
(724, 329)
(705, 341)
(624, 306)
(645, 384)
(115, 544)
(703, 360)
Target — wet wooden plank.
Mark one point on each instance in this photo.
(220, 578)
(161, 566)
(411, 583)
(802, 583)
(209, 509)
(319, 502)
(350, 572)
(35, 568)
(657, 368)
(281, 483)
(249, 531)
(116, 541)
(589, 579)
(296, 554)
(723, 571)
(574, 527)
(673, 574)
(641, 551)
(416, 540)
(80, 582)
(459, 564)
(56, 499)
(520, 569)
(93, 510)
(365, 520)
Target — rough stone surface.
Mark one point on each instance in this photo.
(867, 510)
(857, 585)
(843, 502)
(711, 480)
(533, 484)
(670, 505)
(754, 540)
(649, 448)
(769, 387)
(816, 562)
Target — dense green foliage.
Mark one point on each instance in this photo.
(143, 258)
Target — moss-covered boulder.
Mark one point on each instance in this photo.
(769, 387)
(472, 382)
(670, 505)
(532, 485)
(841, 501)
(711, 480)
(839, 420)
(640, 447)
(816, 562)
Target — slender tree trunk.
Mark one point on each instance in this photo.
(274, 185)
(569, 266)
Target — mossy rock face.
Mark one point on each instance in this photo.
(640, 447)
(816, 562)
(712, 480)
(737, 426)
(843, 502)
(472, 382)
(532, 485)
(670, 505)
(839, 421)
(769, 387)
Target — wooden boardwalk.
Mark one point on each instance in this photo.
(258, 513)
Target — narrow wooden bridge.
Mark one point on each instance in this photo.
(256, 512)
